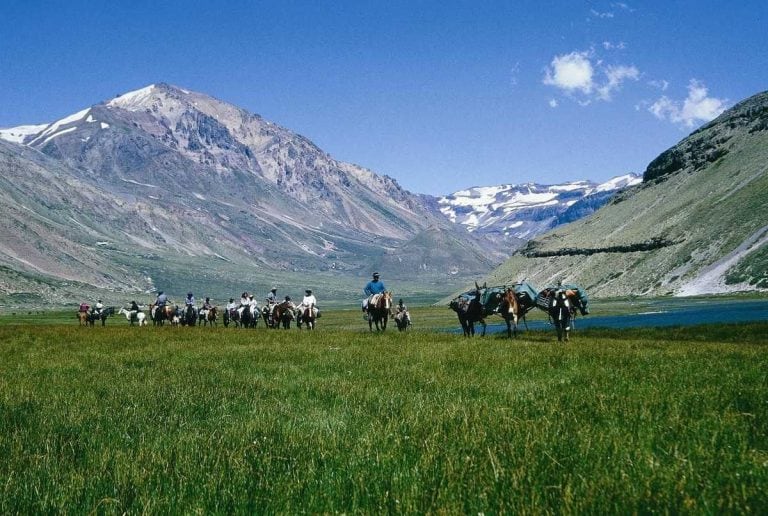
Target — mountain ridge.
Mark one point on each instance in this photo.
(704, 197)
(196, 179)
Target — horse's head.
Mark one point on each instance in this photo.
(578, 300)
(386, 300)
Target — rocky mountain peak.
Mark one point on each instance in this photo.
(713, 141)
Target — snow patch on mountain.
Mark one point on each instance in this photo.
(54, 127)
(18, 134)
(133, 100)
(524, 210)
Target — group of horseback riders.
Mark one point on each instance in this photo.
(272, 301)
(234, 310)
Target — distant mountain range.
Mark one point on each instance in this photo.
(517, 213)
(697, 224)
(164, 188)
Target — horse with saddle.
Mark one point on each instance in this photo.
(513, 302)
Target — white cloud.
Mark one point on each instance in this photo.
(616, 75)
(571, 72)
(608, 45)
(553, 103)
(580, 74)
(623, 6)
(597, 14)
(697, 107)
(660, 84)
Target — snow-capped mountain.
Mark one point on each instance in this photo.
(520, 212)
(183, 188)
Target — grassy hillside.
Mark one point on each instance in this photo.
(704, 200)
(189, 420)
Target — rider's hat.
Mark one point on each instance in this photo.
(287, 298)
(189, 294)
(231, 299)
(308, 291)
(273, 289)
(159, 292)
(375, 274)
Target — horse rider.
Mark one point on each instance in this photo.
(271, 300)
(309, 301)
(134, 310)
(231, 307)
(160, 301)
(84, 307)
(401, 312)
(272, 296)
(372, 288)
(244, 299)
(206, 307)
(189, 304)
(254, 304)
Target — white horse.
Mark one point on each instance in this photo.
(141, 317)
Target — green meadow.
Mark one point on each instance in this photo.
(187, 420)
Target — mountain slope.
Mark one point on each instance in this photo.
(182, 189)
(697, 224)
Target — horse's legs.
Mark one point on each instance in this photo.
(482, 321)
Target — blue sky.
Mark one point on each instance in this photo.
(440, 95)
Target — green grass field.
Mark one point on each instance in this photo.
(184, 420)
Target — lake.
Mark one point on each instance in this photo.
(659, 313)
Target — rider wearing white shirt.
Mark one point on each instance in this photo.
(98, 307)
(308, 299)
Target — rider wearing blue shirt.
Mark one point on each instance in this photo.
(375, 286)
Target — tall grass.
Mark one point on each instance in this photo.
(119, 419)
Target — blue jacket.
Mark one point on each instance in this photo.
(374, 287)
(161, 300)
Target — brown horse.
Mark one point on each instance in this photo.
(283, 315)
(307, 315)
(378, 310)
(510, 311)
(82, 318)
(160, 314)
(211, 317)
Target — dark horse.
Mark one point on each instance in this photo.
(248, 316)
(306, 315)
(283, 315)
(560, 314)
(211, 316)
(160, 314)
(561, 304)
(105, 312)
(379, 306)
(470, 310)
(231, 316)
(189, 317)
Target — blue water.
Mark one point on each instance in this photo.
(659, 314)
